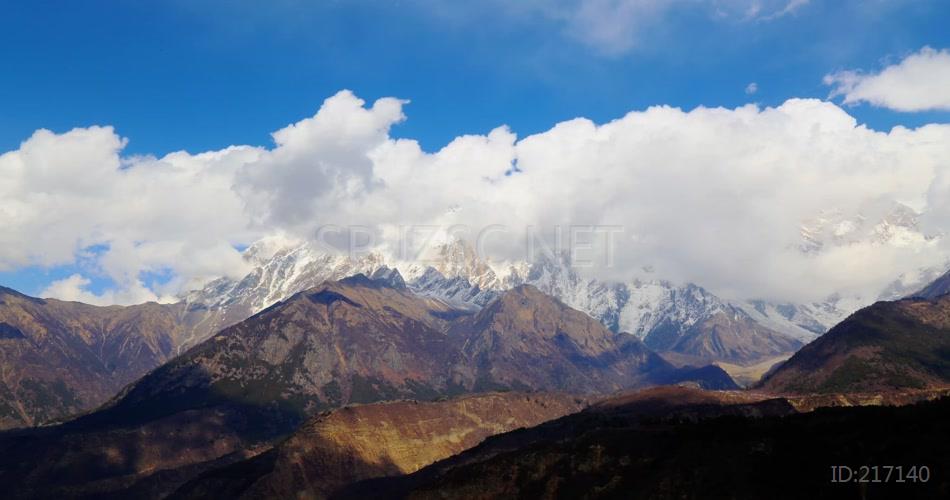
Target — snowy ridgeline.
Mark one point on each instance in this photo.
(459, 277)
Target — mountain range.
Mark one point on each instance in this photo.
(355, 341)
(685, 320)
(361, 340)
(323, 375)
(686, 324)
(266, 406)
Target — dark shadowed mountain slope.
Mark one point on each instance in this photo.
(361, 442)
(674, 445)
(886, 346)
(58, 358)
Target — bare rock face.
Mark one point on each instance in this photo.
(362, 442)
(885, 347)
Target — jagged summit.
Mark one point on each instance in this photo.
(381, 277)
(659, 312)
(390, 277)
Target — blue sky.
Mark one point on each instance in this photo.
(202, 75)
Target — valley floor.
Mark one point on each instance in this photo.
(747, 376)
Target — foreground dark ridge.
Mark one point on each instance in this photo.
(669, 444)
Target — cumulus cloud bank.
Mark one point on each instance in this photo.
(714, 196)
(920, 82)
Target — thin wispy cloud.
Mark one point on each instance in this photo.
(790, 8)
(613, 28)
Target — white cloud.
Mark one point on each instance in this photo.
(63, 193)
(713, 195)
(320, 161)
(751, 88)
(76, 288)
(920, 82)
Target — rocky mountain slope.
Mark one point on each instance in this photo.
(363, 340)
(670, 444)
(883, 347)
(361, 442)
(59, 358)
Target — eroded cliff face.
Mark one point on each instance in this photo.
(368, 441)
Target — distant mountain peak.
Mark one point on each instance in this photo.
(390, 276)
(936, 289)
